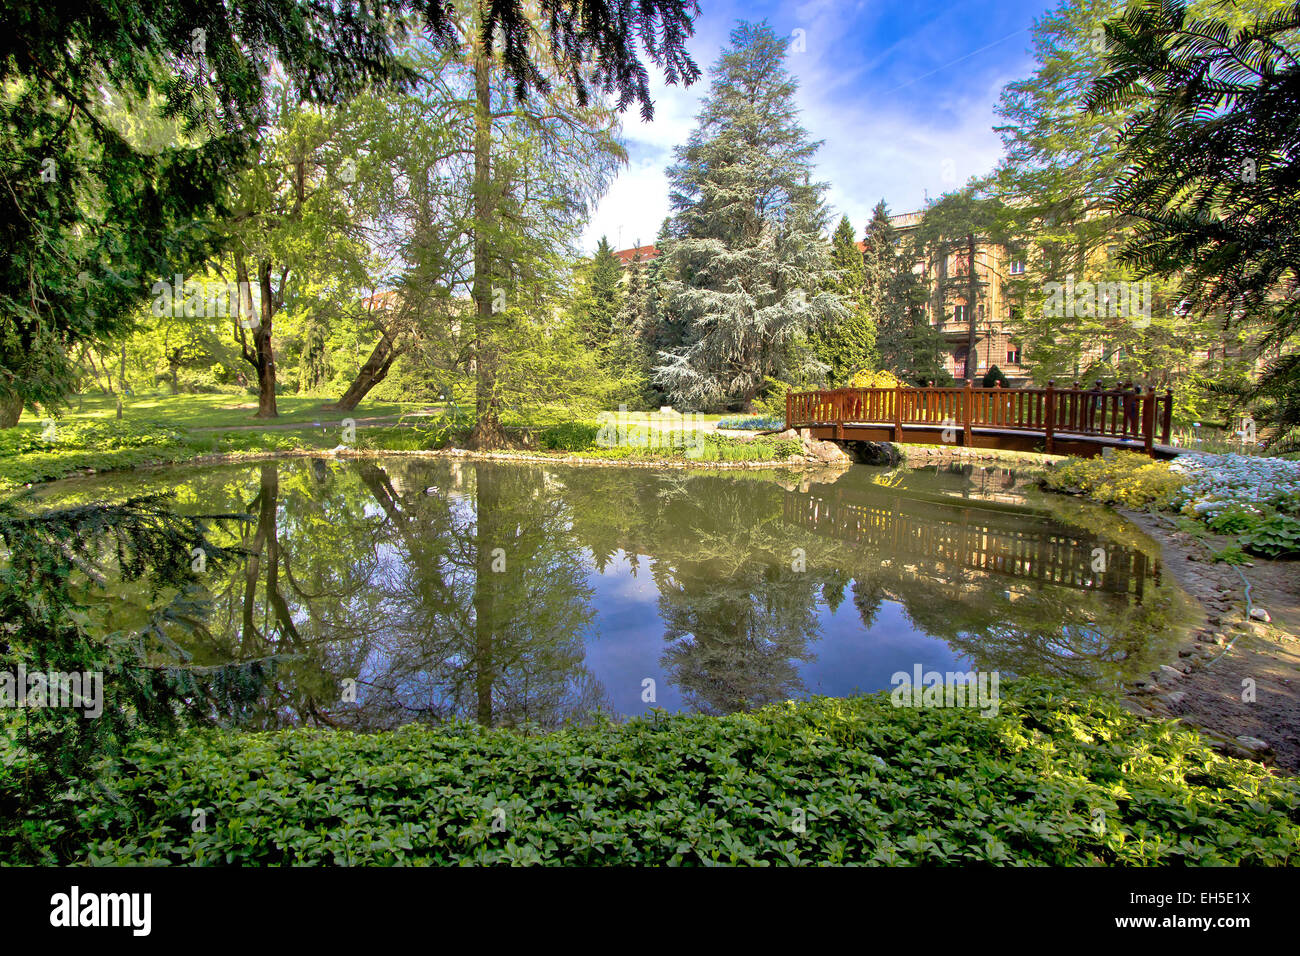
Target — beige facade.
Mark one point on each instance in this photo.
(948, 308)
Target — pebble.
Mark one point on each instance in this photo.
(1169, 674)
(1259, 614)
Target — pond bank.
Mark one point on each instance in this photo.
(1238, 678)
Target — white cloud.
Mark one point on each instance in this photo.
(917, 136)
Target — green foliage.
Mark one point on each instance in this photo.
(570, 436)
(1275, 535)
(994, 376)
(1047, 781)
(750, 259)
(846, 345)
(772, 401)
(60, 564)
(1125, 478)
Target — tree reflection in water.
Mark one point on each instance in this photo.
(456, 590)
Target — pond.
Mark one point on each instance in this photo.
(383, 591)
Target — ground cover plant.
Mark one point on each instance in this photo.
(1254, 498)
(1048, 780)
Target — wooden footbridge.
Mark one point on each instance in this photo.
(1058, 421)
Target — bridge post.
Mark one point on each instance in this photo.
(898, 413)
(789, 401)
(1049, 415)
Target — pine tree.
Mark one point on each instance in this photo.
(600, 297)
(849, 345)
(748, 252)
(908, 345)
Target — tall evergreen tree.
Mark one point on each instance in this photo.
(849, 345)
(748, 252)
(908, 344)
(599, 298)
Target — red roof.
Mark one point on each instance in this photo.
(636, 254)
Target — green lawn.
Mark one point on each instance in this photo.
(216, 411)
(158, 428)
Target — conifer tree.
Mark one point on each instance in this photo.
(849, 345)
(747, 248)
(908, 345)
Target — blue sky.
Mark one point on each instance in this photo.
(901, 91)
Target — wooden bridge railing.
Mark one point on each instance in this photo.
(1128, 414)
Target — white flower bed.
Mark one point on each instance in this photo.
(1215, 482)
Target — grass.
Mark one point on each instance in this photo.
(1048, 780)
(160, 428)
(216, 411)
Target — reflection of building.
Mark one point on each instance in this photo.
(950, 311)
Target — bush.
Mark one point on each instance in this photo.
(1126, 478)
(871, 783)
(772, 401)
(112, 434)
(993, 377)
(570, 436)
(1273, 536)
(880, 379)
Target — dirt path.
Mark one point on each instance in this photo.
(1242, 676)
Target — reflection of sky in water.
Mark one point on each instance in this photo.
(846, 658)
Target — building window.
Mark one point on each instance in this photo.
(1013, 354)
(1017, 267)
(959, 313)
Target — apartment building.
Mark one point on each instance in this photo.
(948, 308)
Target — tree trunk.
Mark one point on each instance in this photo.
(260, 356)
(371, 374)
(972, 292)
(487, 431)
(173, 366)
(262, 341)
(11, 408)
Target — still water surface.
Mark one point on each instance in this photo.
(515, 593)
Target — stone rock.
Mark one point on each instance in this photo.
(1169, 675)
(1254, 746)
(789, 433)
(1259, 614)
(1174, 698)
(875, 453)
(1133, 707)
(827, 451)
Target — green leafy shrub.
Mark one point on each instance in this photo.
(1233, 520)
(569, 436)
(869, 782)
(1273, 536)
(1126, 478)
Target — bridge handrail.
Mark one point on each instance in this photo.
(1127, 413)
